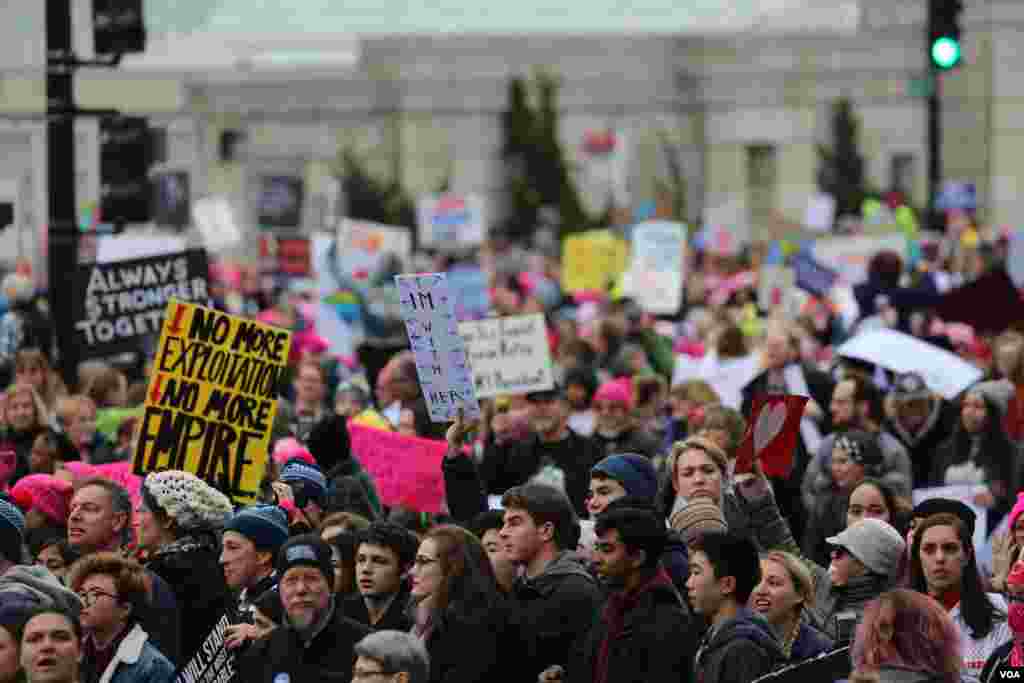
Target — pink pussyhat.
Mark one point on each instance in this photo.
(616, 391)
(1016, 580)
(46, 493)
(289, 449)
(1018, 508)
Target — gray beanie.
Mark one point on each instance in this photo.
(877, 545)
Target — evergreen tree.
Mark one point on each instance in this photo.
(841, 171)
(518, 147)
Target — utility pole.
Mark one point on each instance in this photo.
(935, 221)
(62, 227)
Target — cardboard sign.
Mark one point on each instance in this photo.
(451, 221)
(441, 361)
(771, 435)
(655, 276)
(212, 398)
(213, 661)
(849, 255)
(592, 260)
(508, 355)
(119, 304)
(405, 469)
(472, 295)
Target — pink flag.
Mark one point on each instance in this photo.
(406, 469)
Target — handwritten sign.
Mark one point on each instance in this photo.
(655, 276)
(212, 398)
(213, 662)
(592, 260)
(428, 310)
(508, 355)
(405, 469)
(119, 304)
(451, 221)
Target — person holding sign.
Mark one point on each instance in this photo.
(178, 519)
(115, 646)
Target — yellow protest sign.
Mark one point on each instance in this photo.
(212, 398)
(593, 259)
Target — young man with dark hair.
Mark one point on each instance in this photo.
(739, 645)
(637, 635)
(385, 554)
(51, 646)
(555, 599)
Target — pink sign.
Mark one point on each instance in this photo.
(406, 469)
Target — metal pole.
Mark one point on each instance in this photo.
(62, 230)
(934, 150)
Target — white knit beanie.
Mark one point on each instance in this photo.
(188, 500)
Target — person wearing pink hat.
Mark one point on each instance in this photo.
(45, 499)
(615, 428)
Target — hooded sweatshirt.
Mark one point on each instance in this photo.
(37, 585)
(739, 650)
(553, 609)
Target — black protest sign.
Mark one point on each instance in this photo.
(212, 398)
(119, 304)
(213, 662)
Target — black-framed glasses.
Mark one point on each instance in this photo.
(362, 675)
(88, 599)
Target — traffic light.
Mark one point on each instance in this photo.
(944, 47)
(125, 157)
(118, 26)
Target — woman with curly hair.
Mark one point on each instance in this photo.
(907, 637)
(457, 607)
(177, 523)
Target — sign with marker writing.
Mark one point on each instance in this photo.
(451, 221)
(655, 276)
(213, 662)
(428, 310)
(212, 398)
(120, 303)
(508, 355)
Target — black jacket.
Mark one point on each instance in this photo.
(327, 658)
(513, 464)
(998, 664)
(923, 446)
(472, 649)
(395, 618)
(740, 650)
(632, 441)
(191, 567)
(657, 643)
(552, 610)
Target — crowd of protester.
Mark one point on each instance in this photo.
(593, 531)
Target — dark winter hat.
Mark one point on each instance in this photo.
(307, 550)
(862, 448)
(314, 482)
(633, 471)
(265, 525)
(910, 386)
(935, 506)
(12, 531)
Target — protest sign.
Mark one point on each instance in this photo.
(592, 260)
(470, 291)
(945, 373)
(820, 213)
(655, 276)
(451, 221)
(405, 469)
(771, 435)
(213, 661)
(813, 277)
(118, 305)
(441, 361)
(127, 247)
(212, 398)
(965, 494)
(772, 284)
(508, 355)
(726, 376)
(849, 255)
(364, 249)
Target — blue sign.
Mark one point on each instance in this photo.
(957, 195)
(813, 277)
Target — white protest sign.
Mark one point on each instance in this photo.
(849, 255)
(727, 377)
(726, 229)
(441, 361)
(508, 355)
(451, 221)
(772, 284)
(215, 219)
(965, 494)
(943, 372)
(110, 248)
(655, 276)
(364, 247)
(820, 213)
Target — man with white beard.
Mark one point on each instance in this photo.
(316, 641)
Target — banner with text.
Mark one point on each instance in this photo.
(508, 355)
(405, 469)
(592, 260)
(655, 277)
(213, 662)
(212, 398)
(451, 221)
(121, 303)
(441, 363)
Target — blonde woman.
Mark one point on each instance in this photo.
(31, 366)
(786, 588)
(27, 418)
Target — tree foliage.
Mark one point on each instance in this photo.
(841, 171)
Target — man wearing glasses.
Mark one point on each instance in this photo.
(316, 641)
(391, 657)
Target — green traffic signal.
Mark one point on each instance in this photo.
(945, 53)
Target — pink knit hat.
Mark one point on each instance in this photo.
(289, 448)
(616, 391)
(1017, 509)
(45, 493)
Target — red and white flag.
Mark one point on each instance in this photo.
(772, 432)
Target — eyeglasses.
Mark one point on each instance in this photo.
(422, 561)
(358, 675)
(88, 599)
